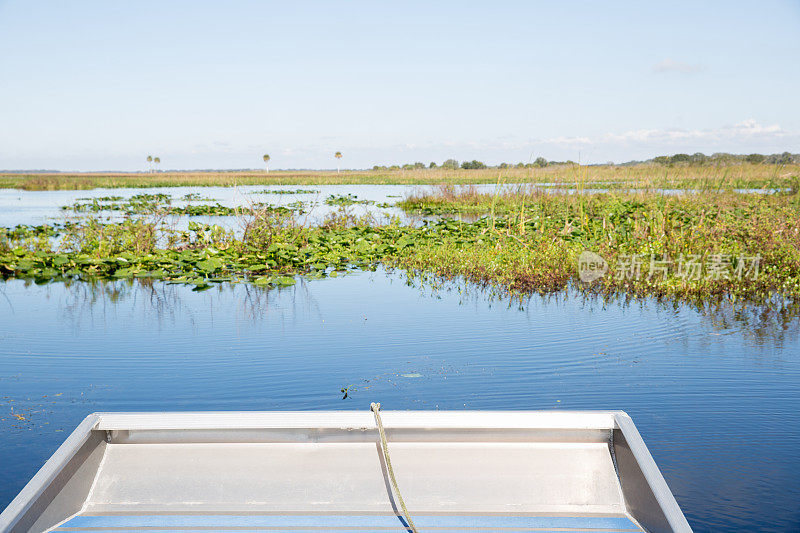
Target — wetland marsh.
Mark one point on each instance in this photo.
(419, 296)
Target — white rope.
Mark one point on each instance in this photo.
(375, 407)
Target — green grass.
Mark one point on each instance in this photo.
(610, 176)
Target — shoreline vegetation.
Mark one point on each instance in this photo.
(716, 246)
(679, 175)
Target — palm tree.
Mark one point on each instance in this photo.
(157, 160)
(338, 156)
(150, 163)
(266, 161)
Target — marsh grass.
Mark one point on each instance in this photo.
(532, 240)
(648, 176)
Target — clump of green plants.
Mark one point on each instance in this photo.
(221, 210)
(138, 203)
(195, 197)
(151, 198)
(103, 198)
(145, 204)
(30, 238)
(684, 246)
(345, 200)
(271, 250)
(284, 191)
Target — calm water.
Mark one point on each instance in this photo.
(716, 404)
(40, 207)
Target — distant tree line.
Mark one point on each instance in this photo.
(453, 164)
(723, 158)
(719, 158)
(698, 158)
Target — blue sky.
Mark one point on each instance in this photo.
(99, 85)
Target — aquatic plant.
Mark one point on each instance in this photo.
(286, 191)
(103, 198)
(195, 197)
(345, 199)
(684, 247)
(161, 203)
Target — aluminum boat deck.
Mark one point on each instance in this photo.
(324, 471)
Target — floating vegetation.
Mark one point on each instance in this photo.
(221, 210)
(195, 197)
(689, 247)
(283, 191)
(151, 198)
(345, 200)
(296, 206)
(216, 210)
(30, 412)
(139, 203)
(104, 198)
(144, 204)
(270, 253)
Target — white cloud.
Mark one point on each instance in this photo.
(742, 137)
(670, 65)
(742, 131)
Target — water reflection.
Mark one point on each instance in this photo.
(772, 323)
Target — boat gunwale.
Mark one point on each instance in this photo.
(652, 474)
(188, 420)
(31, 492)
